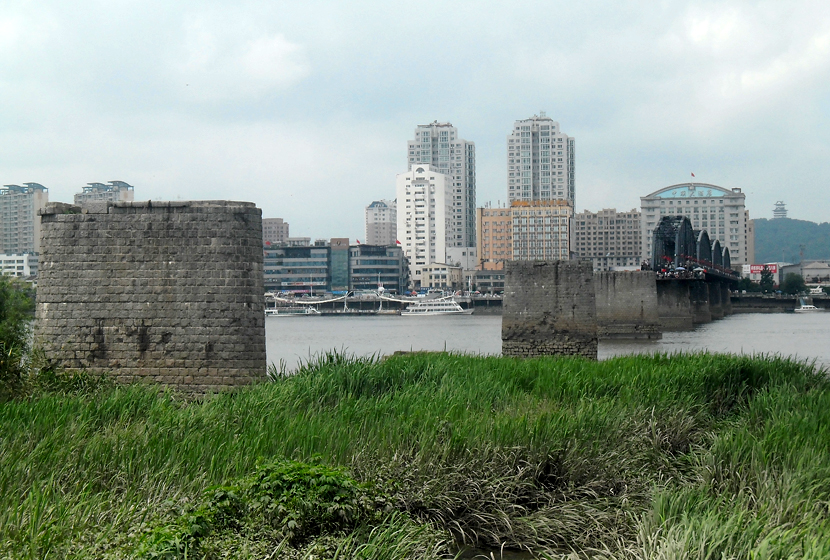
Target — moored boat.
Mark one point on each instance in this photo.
(435, 307)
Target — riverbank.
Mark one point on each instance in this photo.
(635, 457)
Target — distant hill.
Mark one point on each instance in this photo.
(784, 237)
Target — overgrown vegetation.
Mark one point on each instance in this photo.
(16, 312)
(684, 456)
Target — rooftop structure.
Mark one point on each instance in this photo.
(115, 191)
(780, 210)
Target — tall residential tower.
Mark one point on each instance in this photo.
(438, 145)
(540, 161)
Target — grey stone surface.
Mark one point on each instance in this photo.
(674, 305)
(549, 309)
(627, 305)
(170, 292)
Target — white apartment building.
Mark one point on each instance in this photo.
(610, 239)
(720, 211)
(381, 223)
(425, 217)
(115, 191)
(438, 144)
(19, 218)
(274, 231)
(19, 265)
(540, 161)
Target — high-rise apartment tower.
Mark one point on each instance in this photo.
(19, 219)
(381, 223)
(438, 144)
(540, 161)
(115, 191)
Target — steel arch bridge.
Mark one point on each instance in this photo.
(678, 250)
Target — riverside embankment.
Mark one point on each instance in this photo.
(638, 457)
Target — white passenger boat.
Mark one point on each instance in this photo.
(435, 307)
(290, 311)
(807, 309)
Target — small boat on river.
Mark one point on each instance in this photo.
(807, 309)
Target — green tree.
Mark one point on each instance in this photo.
(767, 283)
(16, 306)
(747, 285)
(793, 284)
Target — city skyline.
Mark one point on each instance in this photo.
(305, 109)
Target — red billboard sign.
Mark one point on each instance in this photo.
(759, 268)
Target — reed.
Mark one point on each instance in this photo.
(688, 455)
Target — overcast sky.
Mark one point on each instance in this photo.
(305, 107)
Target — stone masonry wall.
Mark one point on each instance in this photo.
(627, 305)
(549, 309)
(170, 292)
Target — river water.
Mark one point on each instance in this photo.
(291, 340)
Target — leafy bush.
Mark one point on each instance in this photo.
(16, 307)
(294, 501)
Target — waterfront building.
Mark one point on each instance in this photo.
(720, 211)
(23, 265)
(114, 191)
(370, 265)
(442, 276)
(425, 217)
(19, 218)
(813, 272)
(489, 281)
(334, 266)
(609, 239)
(274, 231)
(541, 229)
(381, 223)
(439, 146)
(495, 237)
(297, 269)
(298, 242)
(540, 161)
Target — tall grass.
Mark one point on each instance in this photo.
(683, 456)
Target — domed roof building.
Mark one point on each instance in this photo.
(718, 210)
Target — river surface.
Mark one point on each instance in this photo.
(292, 340)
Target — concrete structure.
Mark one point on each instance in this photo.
(750, 239)
(274, 231)
(609, 239)
(425, 216)
(438, 146)
(540, 161)
(381, 226)
(541, 229)
(442, 276)
(169, 292)
(20, 219)
(627, 305)
(549, 309)
(494, 232)
(373, 264)
(115, 191)
(22, 265)
(719, 211)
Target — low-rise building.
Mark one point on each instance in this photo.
(374, 265)
(609, 239)
(489, 281)
(22, 265)
(442, 276)
(297, 269)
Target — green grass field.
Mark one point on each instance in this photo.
(684, 456)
